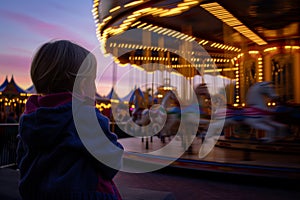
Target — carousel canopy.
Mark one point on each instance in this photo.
(10, 89)
(223, 28)
(31, 90)
(100, 98)
(3, 85)
(112, 95)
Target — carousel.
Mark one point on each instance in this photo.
(234, 66)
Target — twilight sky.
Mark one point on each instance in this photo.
(27, 24)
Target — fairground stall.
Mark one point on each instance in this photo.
(12, 97)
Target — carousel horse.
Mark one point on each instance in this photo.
(256, 114)
(161, 119)
(185, 120)
(172, 108)
(194, 123)
(144, 121)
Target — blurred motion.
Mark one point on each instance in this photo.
(243, 73)
(240, 61)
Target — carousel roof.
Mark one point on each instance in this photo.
(112, 95)
(224, 28)
(10, 88)
(101, 98)
(31, 90)
(4, 84)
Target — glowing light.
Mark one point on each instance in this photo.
(114, 9)
(270, 49)
(221, 13)
(230, 69)
(133, 3)
(107, 19)
(292, 47)
(253, 52)
(114, 101)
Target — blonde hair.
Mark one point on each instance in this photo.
(56, 64)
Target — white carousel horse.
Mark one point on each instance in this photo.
(182, 120)
(256, 113)
(171, 106)
(162, 119)
(144, 122)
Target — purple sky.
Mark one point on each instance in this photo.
(26, 25)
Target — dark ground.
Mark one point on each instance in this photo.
(184, 185)
(194, 185)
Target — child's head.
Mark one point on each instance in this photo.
(56, 64)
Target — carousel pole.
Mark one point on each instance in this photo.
(147, 99)
(147, 42)
(188, 65)
(162, 68)
(152, 95)
(202, 71)
(115, 52)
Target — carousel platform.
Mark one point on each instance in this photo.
(275, 160)
(280, 146)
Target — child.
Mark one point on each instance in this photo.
(53, 161)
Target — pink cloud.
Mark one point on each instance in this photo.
(17, 66)
(11, 63)
(19, 50)
(46, 29)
